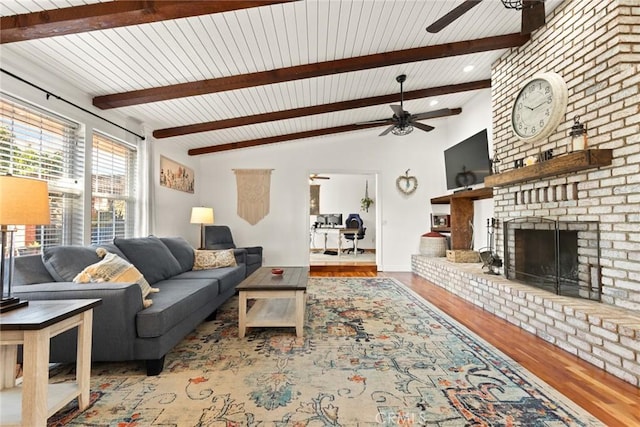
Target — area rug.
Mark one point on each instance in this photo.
(373, 354)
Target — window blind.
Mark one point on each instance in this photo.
(39, 144)
(112, 188)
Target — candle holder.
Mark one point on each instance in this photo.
(578, 136)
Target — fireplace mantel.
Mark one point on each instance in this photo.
(571, 162)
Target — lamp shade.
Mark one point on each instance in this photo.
(201, 215)
(23, 201)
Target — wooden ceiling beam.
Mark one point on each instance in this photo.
(101, 16)
(298, 135)
(317, 109)
(307, 71)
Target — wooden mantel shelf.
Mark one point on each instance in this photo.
(475, 194)
(571, 162)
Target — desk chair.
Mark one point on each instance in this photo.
(354, 221)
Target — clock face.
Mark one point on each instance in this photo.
(539, 107)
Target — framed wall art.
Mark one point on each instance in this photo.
(176, 176)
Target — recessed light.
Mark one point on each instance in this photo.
(433, 102)
(468, 68)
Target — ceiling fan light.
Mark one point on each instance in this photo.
(512, 4)
(402, 130)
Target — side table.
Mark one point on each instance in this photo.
(33, 326)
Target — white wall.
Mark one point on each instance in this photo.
(284, 233)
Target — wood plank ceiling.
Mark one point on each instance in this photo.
(219, 75)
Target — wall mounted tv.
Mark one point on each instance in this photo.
(467, 163)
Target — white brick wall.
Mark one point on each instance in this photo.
(603, 335)
(596, 49)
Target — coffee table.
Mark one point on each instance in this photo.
(280, 300)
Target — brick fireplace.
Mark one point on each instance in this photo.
(562, 257)
(592, 216)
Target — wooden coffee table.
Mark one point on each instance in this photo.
(280, 300)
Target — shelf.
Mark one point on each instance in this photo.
(441, 229)
(476, 194)
(572, 162)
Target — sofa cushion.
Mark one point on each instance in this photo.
(182, 250)
(113, 269)
(110, 247)
(150, 256)
(177, 299)
(205, 259)
(64, 262)
(228, 277)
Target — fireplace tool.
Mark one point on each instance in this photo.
(490, 259)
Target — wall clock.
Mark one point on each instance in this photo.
(407, 184)
(539, 107)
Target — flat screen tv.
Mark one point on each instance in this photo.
(467, 163)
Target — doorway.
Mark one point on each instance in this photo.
(334, 197)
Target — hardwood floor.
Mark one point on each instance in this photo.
(613, 401)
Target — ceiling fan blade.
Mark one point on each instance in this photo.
(532, 16)
(456, 13)
(434, 114)
(422, 126)
(387, 130)
(373, 122)
(397, 110)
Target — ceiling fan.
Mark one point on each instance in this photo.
(533, 16)
(314, 176)
(402, 122)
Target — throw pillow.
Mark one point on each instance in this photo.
(64, 262)
(152, 257)
(112, 268)
(207, 259)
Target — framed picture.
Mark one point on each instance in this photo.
(176, 176)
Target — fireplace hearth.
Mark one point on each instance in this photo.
(562, 257)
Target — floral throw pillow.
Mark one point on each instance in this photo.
(207, 259)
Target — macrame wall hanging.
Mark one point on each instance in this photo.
(254, 186)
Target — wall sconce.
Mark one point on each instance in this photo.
(23, 201)
(202, 216)
(578, 136)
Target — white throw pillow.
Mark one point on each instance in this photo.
(207, 259)
(112, 268)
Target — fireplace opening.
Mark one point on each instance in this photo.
(559, 257)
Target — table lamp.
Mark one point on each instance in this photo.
(202, 216)
(23, 201)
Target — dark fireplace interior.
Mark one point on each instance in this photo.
(562, 258)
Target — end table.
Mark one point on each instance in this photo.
(33, 326)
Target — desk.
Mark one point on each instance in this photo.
(340, 231)
(34, 326)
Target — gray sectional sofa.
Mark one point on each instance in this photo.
(123, 329)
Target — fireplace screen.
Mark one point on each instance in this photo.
(562, 257)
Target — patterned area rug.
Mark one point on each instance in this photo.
(373, 354)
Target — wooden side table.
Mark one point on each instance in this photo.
(33, 326)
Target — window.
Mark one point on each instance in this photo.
(112, 189)
(38, 144)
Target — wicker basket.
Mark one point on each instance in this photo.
(433, 246)
(462, 255)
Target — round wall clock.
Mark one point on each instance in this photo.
(539, 107)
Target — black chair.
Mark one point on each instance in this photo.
(219, 237)
(354, 221)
